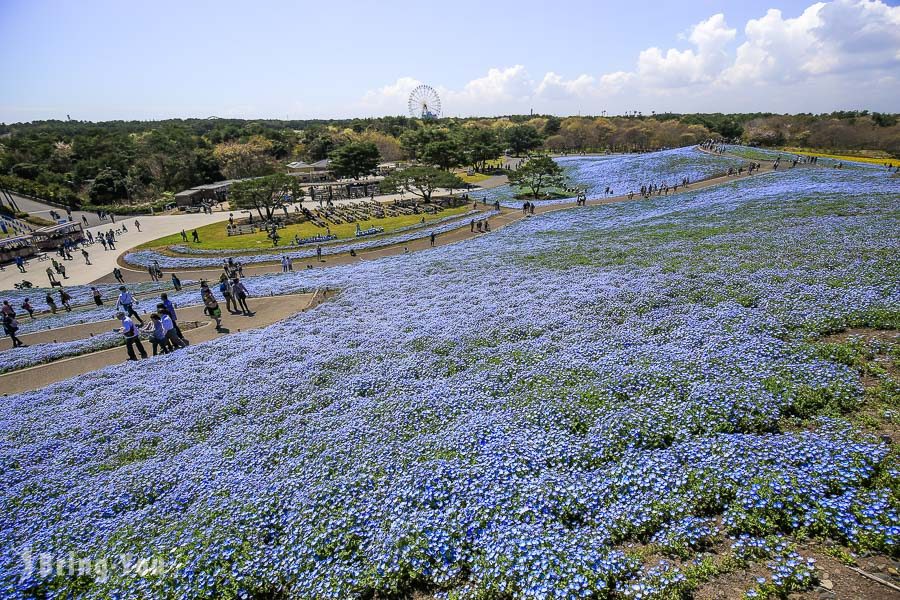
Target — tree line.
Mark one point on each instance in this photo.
(133, 162)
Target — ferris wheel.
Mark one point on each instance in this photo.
(424, 103)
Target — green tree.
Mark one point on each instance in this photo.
(108, 186)
(537, 174)
(414, 141)
(420, 181)
(354, 159)
(445, 154)
(551, 127)
(480, 145)
(522, 138)
(267, 193)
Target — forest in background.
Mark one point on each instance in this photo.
(141, 162)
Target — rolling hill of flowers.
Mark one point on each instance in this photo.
(507, 417)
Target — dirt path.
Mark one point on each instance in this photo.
(268, 310)
(506, 217)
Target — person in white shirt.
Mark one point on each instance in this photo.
(132, 336)
(168, 326)
(126, 304)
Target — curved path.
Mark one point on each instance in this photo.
(506, 216)
(267, 310)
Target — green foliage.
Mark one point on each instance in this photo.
(109, 185)
(480, 145)
(354, 160)
(537, 174)
(522, 138)
(265, 194)
(421, 181)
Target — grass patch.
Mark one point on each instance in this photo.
(473, 178)
(865, 156)
(215, 237)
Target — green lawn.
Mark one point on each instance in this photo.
(215, 237)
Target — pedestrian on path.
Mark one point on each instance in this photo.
(51, 303)
(28, 307)
(132, 336)
(98, 298)
(87, 257)
(157, 335)
(20, 263)
(10, 327)
(432, 238)
(62, 271)
(169, 307)
(117, 273)
(64, 299)
(227, 293)
(176, 283)
(211, 306)
(126, 303)
(51, 276)
(137, 225)
(183, 236)
(173, 336)
(241, 293)
(319, 253)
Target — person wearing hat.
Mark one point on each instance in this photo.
(126, 303)
(132, 336)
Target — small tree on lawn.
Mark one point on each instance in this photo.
(265, 193)
(537, 174)
(420, 181)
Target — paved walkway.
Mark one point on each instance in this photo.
(268, 310)
(506, 217)
(152, 228)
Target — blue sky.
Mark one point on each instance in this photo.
(119, 60)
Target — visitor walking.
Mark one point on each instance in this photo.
(28, 307)
(157, 335)
(240, 293)
(10, 327)
(51, 276)
(98, 298)
(117, 273)
(227, 294)
(195, 236)
(87, 257)
(137, 225)
(51, 303)
(64, 299)
(432, 238)
(132, 336)
(20, 264)
(126, 303)
(170, 330)
(176, 283)
(211, 307)
(169, 307)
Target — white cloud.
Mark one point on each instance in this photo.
(497, 91)
(554, 87)
(385, 100)
(839, 54)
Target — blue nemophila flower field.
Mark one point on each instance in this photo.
(501, 417)
(625, 173)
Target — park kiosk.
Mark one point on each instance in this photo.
(54, 236)
(12, 247)
(210, 193)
